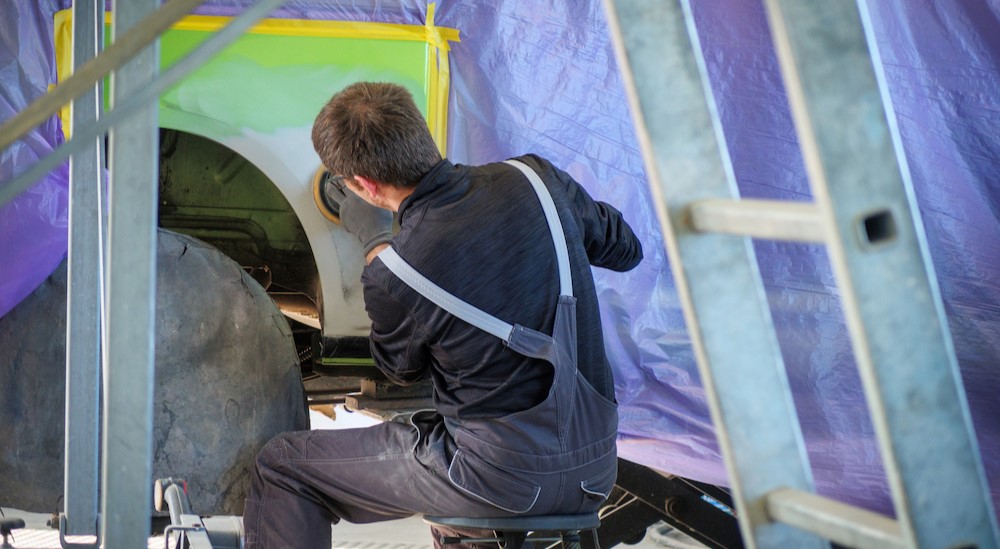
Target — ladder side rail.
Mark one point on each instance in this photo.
(83, 300)
(879, 255)
(724, 304)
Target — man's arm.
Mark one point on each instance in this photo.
(397, 340)
(373, 253)
(607, 237)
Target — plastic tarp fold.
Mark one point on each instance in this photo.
(33, 226)
(541, 76)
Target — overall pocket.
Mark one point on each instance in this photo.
(596, 488)
(492, 485)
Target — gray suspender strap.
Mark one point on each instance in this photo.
(555, 227)
(473, 315)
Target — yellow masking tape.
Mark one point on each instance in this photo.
(438, 76)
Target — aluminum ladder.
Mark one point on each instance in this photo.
(865, 213)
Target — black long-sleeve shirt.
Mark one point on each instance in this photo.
(479, 233)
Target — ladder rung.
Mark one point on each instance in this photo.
(839, 522)
(769, 219)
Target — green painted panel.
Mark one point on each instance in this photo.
(265, 82)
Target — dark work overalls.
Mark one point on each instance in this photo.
(557, 457)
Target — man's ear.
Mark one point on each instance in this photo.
(370, 186)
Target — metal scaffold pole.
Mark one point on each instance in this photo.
(128, 365)
(84, 295)
(124, 309)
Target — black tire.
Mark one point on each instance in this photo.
(227, 380)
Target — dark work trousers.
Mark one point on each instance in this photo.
(304, 481)
(555, 458)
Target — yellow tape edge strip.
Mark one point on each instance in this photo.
(328, 29)
(438, 36)
(438, 77)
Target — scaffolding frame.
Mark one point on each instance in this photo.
(111, 301)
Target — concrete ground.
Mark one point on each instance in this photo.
(409, 533)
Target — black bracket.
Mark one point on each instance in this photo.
(644, 496)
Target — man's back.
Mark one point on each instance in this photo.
(479, 233)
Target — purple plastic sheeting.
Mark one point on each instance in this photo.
(530, 76)
(32, 226)
(541, 76)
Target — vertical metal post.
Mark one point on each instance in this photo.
(129, 353)
(83, 310)
(717, 279)
(879, 253)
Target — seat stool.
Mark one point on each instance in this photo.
(7, 526)
(512, 532)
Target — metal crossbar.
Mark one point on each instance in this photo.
(865, 213)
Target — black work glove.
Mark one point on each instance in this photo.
(370, 224)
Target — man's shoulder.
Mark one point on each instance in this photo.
(531, 159)
(534, 161)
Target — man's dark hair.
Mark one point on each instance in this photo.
(374, 129)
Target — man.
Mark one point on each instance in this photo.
(487, 290)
